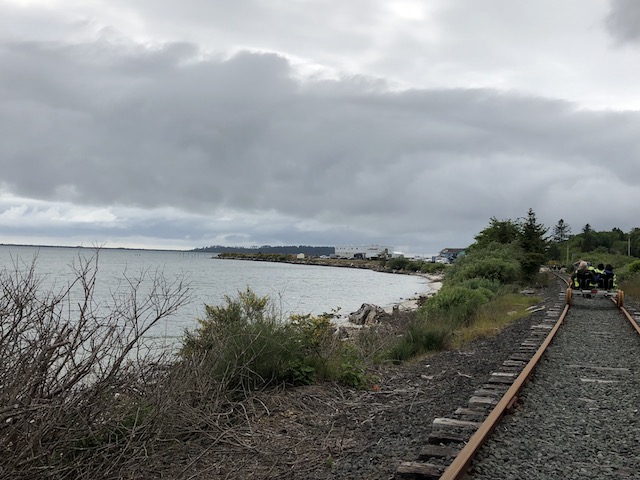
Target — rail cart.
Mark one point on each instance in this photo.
(595, 292)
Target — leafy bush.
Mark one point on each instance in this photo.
(421, 337)
(455, 304)
(352, 369)
(244, 345)
(530, 265)
(316, 346)
(408, 265)
(478, 283)
(634, 267)
(428, 267)
(498, 269)
(398, 263)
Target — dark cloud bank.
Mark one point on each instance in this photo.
(344, 160)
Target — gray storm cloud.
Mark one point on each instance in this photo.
(327, 159)
(623, 21)
(153, 128)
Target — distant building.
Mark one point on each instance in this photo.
(448, 255)
(363, 251)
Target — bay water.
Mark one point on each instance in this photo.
(293, 288)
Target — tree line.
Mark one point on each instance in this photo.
(268, 249)
(537, 245)
(614, 241)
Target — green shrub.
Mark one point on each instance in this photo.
(478, 283)
(530, 265)
(634, 267)
(316, 346)
(455, 304)
(420, 338)
(491, 268)
(398, 263)
(245, 346)
(428, 267)
(302, 373)
(408, 265)
(352, 370)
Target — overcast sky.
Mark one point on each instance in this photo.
(407, 123)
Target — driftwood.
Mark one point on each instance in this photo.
(368, 314)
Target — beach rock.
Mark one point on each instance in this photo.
(367, 314)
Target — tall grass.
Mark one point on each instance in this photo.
(421, 337)
(493, 316)
(631, 285)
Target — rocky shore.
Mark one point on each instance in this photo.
(370, 314)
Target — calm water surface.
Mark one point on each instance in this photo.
(293, 288)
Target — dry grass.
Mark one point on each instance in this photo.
(631, 287)
(493, 316)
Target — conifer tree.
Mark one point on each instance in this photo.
(499, 231)
(534, 244)
(588, 241)
(561, 231)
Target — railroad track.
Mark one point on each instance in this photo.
(568, 426)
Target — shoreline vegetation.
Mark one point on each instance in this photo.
(83, 395)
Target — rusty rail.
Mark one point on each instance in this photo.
(458, 468)
(630, 318)
(462, 461)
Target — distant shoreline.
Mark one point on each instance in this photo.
(98, 248)
(368, 264)
(411, 303)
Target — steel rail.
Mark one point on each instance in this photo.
(630, 318)
(458, 468)
(461, 463)
(626, 313)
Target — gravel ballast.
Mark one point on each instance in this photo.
(577, 417)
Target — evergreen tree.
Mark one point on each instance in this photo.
(498, 231)
(633, 245)
(618, 234)
(561, 231)
(534, 244)
(588, 240)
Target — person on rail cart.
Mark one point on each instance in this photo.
(609, 280)
(582, 277)
(599, 275)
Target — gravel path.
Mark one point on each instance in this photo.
(578, 416)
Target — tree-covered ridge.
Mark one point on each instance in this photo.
(560, 247)
(268, 249)
(615, 241)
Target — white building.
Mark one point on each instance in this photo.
(363, 251)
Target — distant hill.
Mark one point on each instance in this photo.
(286, 249)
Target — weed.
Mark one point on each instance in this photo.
(493, 316)
(421, 337)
